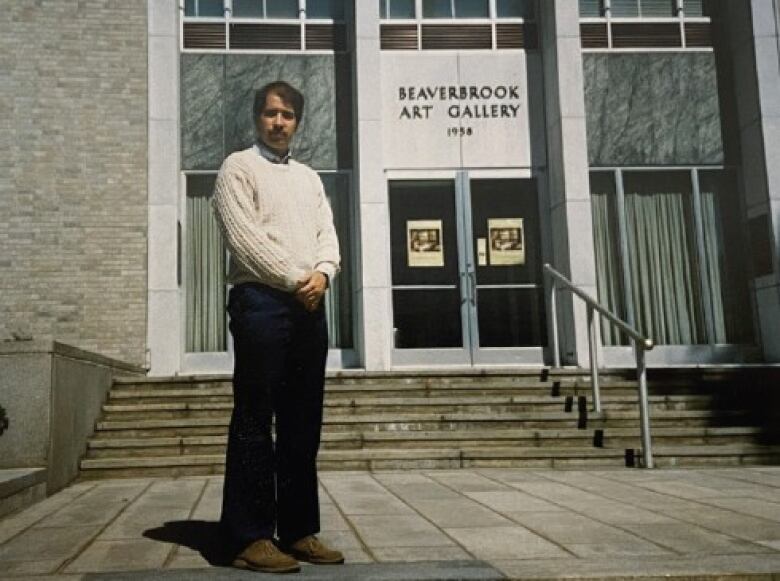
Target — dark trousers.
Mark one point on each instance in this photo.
(280, 352)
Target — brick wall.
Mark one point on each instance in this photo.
(73, 173)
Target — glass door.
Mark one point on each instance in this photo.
(505, 272)
(466, 272)
(429, 305)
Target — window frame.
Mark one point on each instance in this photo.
(679, 18)
(419, 16)
(227, 20)
(227, 14)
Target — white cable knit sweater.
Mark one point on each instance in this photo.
(275, 219)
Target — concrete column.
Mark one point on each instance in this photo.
(569, 191)
(164, 333)
(373, 277)
(753, 28)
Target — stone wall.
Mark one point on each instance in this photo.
(53, 395)
(73, 173)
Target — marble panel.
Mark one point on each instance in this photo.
(202, 90)
(652, 109)
(316, 142)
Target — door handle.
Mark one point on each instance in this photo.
(473, 279)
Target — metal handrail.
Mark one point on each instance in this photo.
(641, 344)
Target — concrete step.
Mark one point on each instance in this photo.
(421, 422)
(472, 404)
(446, 458)
(613, 438)
(167, 393)
(370, 459)
(724, 455)
(513, 376)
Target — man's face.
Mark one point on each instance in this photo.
(277, 123)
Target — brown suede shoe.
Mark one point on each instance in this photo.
(263, 555)
(311, 550)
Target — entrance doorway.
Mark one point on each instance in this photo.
(466, 271)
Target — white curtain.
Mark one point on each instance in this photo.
(205, 282)
(713, 250)
(606, 235)
(338, 300)
(663, 271)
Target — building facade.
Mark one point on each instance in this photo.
(634, 145)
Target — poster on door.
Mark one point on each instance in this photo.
(424, 243)
(507, 241)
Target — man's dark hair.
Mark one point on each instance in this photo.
(286, 92)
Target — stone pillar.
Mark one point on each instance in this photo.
(753, 27)
(373, 276)
(164, 334)
(567, 163)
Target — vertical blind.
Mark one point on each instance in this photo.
(205, 277)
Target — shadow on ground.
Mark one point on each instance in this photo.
(206, 537)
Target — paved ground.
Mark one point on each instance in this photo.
(464, 524)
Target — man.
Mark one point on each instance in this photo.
(278, 226)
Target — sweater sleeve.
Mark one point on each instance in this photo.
(328, 259)
(254, 249)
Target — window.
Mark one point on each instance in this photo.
(204, 8)
(287, 9)
(670, 263)
(645, 24)
(694, 8)
(293, 25)
(274, 9)
(641, 8)
(515, 9)
(396, 9)
(438, 9)
(624, 8)
(591, 8)
(651, 8)
(205, 270)
(205, 284)
(325, 9)
(505, 24)
(456, 9)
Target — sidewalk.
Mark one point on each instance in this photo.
(464, 524)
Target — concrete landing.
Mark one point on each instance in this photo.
(717, 523)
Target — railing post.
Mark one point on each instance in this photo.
(554, 323)
(644, 412)
(594, 359)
